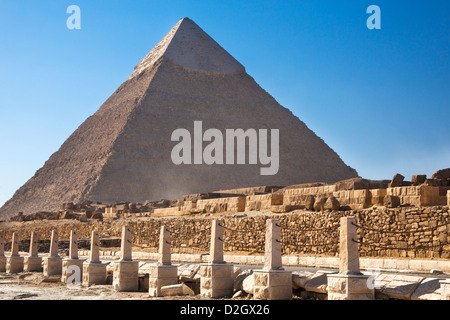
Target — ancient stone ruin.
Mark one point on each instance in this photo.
(123, 151)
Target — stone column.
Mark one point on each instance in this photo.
(72, 265)
(94, 271)
(349, 283)
(126, 271)
(348, 248)
(216, 248)
(163, 273)
(273, 282)
(164, 254)
(33, 263)
(53, 263)
(216, 277)
(2, 254)
(272, 251)
(126, 244)
(14, 263)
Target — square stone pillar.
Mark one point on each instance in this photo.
(2, 254)
(349, 283)
(216, 247)
(14, 263)
(72, 265)
(348, 247)
(272, 249)
(53, 263)
(216, 277)
(163, 273)
(33, 263)
(94, 271)
(272, 282)
(445, 289)
(126, 271)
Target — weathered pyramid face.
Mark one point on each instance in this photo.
(168, 130)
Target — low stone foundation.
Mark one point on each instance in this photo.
(160, 276)
(272, 285)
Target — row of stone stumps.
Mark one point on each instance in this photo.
(272, 282)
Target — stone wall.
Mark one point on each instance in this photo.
(415, 232)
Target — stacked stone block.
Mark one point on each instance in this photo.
(125, 274)
(14, 263)
(349, 283)
(53, 263)
(216, 276)
(272, 282)
(33, 263)
(72, 264)
(94, 271)
(163, 273)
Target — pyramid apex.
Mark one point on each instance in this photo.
(186, 44)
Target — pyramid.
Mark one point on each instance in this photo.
(123, 151)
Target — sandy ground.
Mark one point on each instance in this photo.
(33, 286)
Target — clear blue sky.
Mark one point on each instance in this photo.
(379, 98)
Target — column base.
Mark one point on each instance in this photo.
(66, 272)
(160, 276)
(94, 273)
(216, 280)
(52, 266)
(349, 287)
(32, 264)
(272, 285)
(14, 264)
(2, 264)
(126, 276)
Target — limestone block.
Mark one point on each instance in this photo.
(125, 276)
(248, 284)
(160, 276)
(2, 264)
(176, 290)
(349, 287)
(428, 289)
(418, 179)
(52, 266)
(231, 204)
(300, 278)
(317, 283)
(167, 212)
(397, 181)
(14, 264)
(272, 285)
(216, 280)
(445, 289)
(319, 203)
(331, 204)
(429, 196)
(448, 198)
(32, 264)
(189, 272)
(390, 201)
(398, 286)
(94, 273)
(377, 196)
(66, 268)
